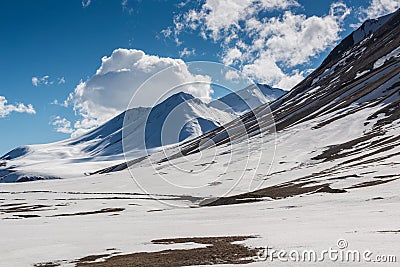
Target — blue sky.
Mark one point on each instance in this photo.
(50, 48)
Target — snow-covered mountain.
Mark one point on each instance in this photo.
(336, 130)
(318, 170)
(145, 130)
(369, 27)
(248, 98)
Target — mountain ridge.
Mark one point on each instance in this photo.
(345, 115)
(178, 118)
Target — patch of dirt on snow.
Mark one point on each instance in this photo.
(274, 192)
(218, 250)
(105, 210)
(371, 183)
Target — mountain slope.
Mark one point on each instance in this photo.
(248, 98)
(327, 177)
(145, 130)
(337, 130)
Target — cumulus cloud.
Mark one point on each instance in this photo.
(378, 8)
(218, 17)
(268, 49)
(6, 109)
(232, 55)
(118, 79)
(62, 125)
(232, 75)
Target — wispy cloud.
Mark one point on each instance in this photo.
(6, 109)
(187, 52)
(62, 125)
(45, 80)
(61, 80)
(86, 3)
(183, 3)
(58, 103)
(36, 81)
(126, 7)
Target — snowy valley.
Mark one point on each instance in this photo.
(300, 171)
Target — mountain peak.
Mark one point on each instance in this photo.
(356, 37)
(181, 95)
(369, 26)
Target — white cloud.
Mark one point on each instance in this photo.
(268, 49)
(264, 69)
(288, 42)
(217, 17)
(86, 3)
(6, 109)
(232, 75)
(378, 8)
(187, 52)
(183, 4)
(62, 104)
(61, 80)
(45, 80)
(290, 80)
(35, 81)
(232, 55)
(109, 91)
(62, 125)
(167, 32)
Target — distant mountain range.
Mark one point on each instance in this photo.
(178, 118)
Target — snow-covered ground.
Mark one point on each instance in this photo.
(312, 221)
(327, 179)
(126, 220)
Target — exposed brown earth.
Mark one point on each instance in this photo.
(274, 192)
(390, 231)
(371, 183)
(23, 208)
(218, 250)
(105, 210)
